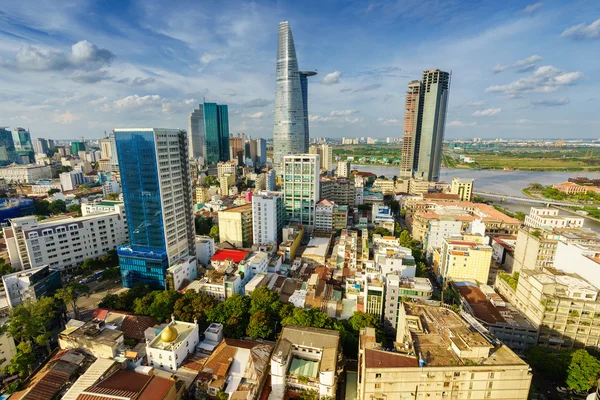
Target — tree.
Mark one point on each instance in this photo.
(110, 301)
(33, 322)
(361, 320)
(265, 299)
(57, 207)
(163, 304)
(221, 395)
(382, 231)
(194, 306)
(311, 317)
(22, 362)
(395, 207)
(111, 273)
(233, 314)
(405, 239)
(71, 293)
(52, 191)
(259, 326)
(214, 233)
(203, 225)
(142, 304)
(210, 180)
(41, 207)
(74, 208)
(5, 269)
(583, 371)
(309, 395)
(112, 196)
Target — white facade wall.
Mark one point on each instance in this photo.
(205, 249)
(267, 217)
(111, 187)
(70, 180)
(185, 270)
(579, 259)
(324, 216)
(343, 169)
(170, 358)
(25, 173)
(440, 230)
(548, 217)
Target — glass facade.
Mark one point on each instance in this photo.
(216, 129)
(22, 139)
(8, 154)
(144, 260)
(76, 147)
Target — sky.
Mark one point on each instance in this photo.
(520, 69)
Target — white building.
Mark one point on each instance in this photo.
(65, 242)
(257, 263)
(579, 258)
(70, 180)
(168, 350)
(305, 359)
(111, 187)
(440, 229)
(324, 215)
(343, 169)
(205, 249)
(391, 258)
(25, 173)
(43, 187)
(183, 272)
(545, 217)
(30, 285)
(103, 206)
(268, 217)
(226, 168)
(398, 289)
(301, 187)
(324, 151)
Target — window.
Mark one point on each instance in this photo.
(377, 375)
(378, 386)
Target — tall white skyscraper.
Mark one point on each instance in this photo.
(268, 217)
(424, 124)
(290, 123)
(301, 187)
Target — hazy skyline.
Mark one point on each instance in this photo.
(519, 69)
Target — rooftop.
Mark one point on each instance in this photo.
(230, 254)
(239, 209)
(325, 340)
(184, 329)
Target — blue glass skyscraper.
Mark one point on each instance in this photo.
(8, 155)
(209, 133)
(155, 176)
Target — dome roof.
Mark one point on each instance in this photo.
(169, 334)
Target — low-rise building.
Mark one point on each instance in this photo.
(382, 216)
(546, 217)
(387, 186)
(390, 258)
(497, 315)
(503, 251)
(182, 273)
(573, 188)
(464, 189)
(439, 355)
(305, 359)
(176, 341)
(205, 249)
(93, 337)
(291, 238)
(235, 226)
(25, 173)
(64, 242)
(316, 250)
(30, 285)
(71, 180)
(579, 258)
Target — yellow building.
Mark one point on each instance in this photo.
(235, 226)
(202, 195)
(439, 355)
(226, 181)
(466, 257)
(564, 307)
(464, 189)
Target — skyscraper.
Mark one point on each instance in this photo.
(261, 152)
(209, 133)
(323, 150)
(301, 187)
(290, 123)
(8, 154)
(155, 175)
(424, 124)
(268, 217)
(40, 145)
(22, 139)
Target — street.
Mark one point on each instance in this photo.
(98, 290)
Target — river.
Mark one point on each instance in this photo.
(498, 181)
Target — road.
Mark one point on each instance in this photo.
(87, 305)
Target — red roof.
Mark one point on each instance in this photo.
(235, 255)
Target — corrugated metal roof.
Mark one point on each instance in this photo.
(90, 377)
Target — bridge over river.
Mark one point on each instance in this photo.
(546, 202)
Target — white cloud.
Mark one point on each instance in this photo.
(83, 55)
(522, 121)
(318, 118)
(342, 113)
(332, 78)
(65, 118)
(487, 112)
(551, 102)
(524, 65)
(461, 124)
(476, 103)
(533, 7)
(353, 120)
(148, 103)
(583, 31)
(256, 115)
(210, 57)
(545, 79)
(388, 121)
(257, 103)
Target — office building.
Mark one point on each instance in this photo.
(235, 226)
(251, 152)
(546, 217)
(70, 180)
(8, 153)
(76, 147)
(106, 148)
(30, 285)
(268, 217)
(64, 242)
(324, 151)
(301, 187)
(236, 150)
(155, 177)
(261, 152)
(424, 124)
(306, 359)
(290, 125)
(343, 169)
(22, 139)
(439, 355)
(25, 173)
(563, 306)
(466, 257)
(209, 133)
(114, 159)
(168, 350)
(40, 145)
(464, 189)
(226, 168)
(271, 180)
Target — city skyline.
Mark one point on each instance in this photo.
(519, 70)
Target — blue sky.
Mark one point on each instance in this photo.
(520, 69)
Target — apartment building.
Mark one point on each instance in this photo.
(466, 257)
(399, 288)
(563, 306)
(464, 189)
(30, 285)
(71, 180)
(352, 249)
(301, 187)
(439, 355)
(343, 169)
(235, 225)
(268, 217)
(546, 217)
(306, 359)
(338, 189)
(440, 229)
(64, 242)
